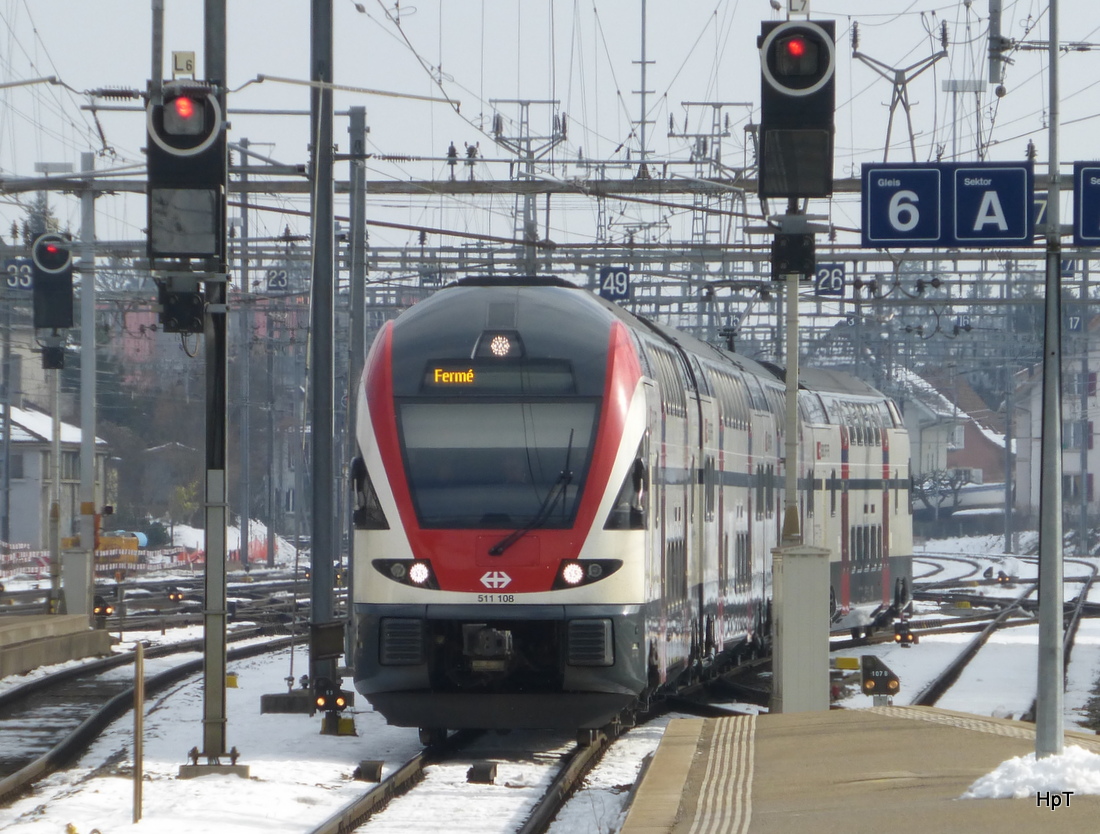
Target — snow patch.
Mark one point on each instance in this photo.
(1075, 771)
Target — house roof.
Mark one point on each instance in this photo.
(29, 426)
(921, 391)
(957, 388)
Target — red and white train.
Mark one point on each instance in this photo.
(562, 509)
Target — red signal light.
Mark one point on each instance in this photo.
(185, 107)
(796, 47)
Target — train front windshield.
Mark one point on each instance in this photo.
(497, 465)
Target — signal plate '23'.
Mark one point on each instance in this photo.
(495, 579)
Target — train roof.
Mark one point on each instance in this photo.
(829, 381)
(822, 380)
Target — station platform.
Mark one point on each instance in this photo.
(896, 769)
(27, 642)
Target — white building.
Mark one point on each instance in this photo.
(31, 482)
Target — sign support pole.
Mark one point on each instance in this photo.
(1049, 694)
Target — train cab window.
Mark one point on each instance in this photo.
(629, 510)
(497, 465)
(367, 511)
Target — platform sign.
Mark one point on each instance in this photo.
(1086, 203)
(948, 204)
(829, 280)
(614, 282)
(902, 205)
(993, 205)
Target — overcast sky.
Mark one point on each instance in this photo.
(584, 55)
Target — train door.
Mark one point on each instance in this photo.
(762, 523)
(707, 524)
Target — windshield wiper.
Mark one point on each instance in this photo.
(543, 515)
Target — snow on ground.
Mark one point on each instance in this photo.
(1075, 769)
(299, 778)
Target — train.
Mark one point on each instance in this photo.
(562, 510)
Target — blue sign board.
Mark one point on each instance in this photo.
(948, 204)
(614, 282)
(993, 204)
(18, 274)
(1086, 203)
(829, 279)
(902, 205)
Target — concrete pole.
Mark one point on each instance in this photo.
(244, 355)
(81, 603)
(217, 498)
(5, 523)
(55, 493)
(322, 350)
(357, 340)
(791, 533)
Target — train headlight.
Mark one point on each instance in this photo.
(415, 572)
(572, 573)
(576, 572)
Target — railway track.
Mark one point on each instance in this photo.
(48, 722)
(479, 754)
(1002, 614)
(536, 807)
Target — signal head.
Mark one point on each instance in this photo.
(188, 122)
(797, 58)
(50, 253)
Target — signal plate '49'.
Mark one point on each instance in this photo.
(495, 579)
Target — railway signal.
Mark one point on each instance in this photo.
(328, 697)
(878, 680)
(52, 274)
(797, 108)
(903, 634)
(187, 165)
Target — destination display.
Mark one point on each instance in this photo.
(455, 377)
(952, 204)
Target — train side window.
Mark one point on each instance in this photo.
(629, 510)
(367, 513)
(742, 562)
